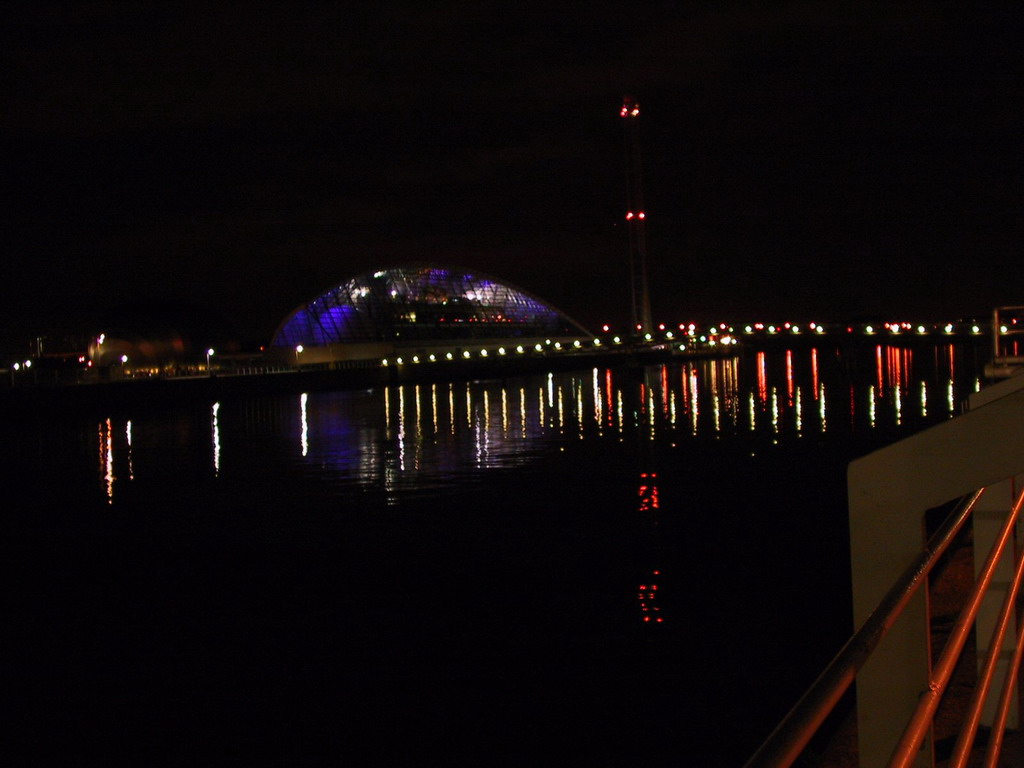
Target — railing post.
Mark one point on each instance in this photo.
(889, 492)
(989, 517)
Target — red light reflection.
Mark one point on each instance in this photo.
(647, 597)
(664, 389)
(762, 377)
(878, 371)
(814, 371)
(789, 374)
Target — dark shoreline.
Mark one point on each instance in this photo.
(29, 401)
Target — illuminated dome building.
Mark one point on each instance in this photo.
(378, 314)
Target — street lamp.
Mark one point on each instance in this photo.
(209, 354)
(298, 351)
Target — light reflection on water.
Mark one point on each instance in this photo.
(426, 435)
(614, 525)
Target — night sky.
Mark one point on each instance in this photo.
(807, 160)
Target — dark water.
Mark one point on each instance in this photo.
(611, 567)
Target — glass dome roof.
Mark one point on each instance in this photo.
(413, 303)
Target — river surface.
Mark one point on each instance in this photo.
(613, 566)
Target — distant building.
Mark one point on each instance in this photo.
(407, 308)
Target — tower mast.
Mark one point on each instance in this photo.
(635, 218)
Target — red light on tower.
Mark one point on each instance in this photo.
(641, 309)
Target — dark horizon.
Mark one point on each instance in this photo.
(815, 161)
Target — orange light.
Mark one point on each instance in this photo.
(635, 112)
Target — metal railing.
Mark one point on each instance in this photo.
(788, 740)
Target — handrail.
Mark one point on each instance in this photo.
(921, 721)
(964, 742)
(995, 743)
(788, 740)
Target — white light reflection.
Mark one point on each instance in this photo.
(775, 410)
(871, 406)
(451, 408)
(433, 410)
(215, 418)
(578, 387)
(752, 411)
(561, 409)
(418, 425)
(799, 412)
(821, 406)
(401, 428)
(107, 459)
(609, 396)
(479, 449)
(598, 401)
(304, 437)
(650, 412)
(522, 411)
(487, 421)
(128, 436)
(504, 413)
(898, 403)
(694, 407)
(924, 398)
(950, 398)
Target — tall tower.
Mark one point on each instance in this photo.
(635, 217)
